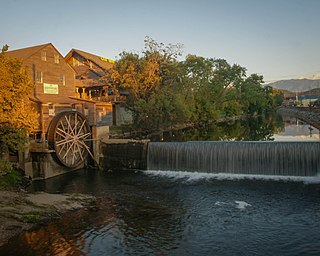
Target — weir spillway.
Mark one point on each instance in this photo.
(237, 157)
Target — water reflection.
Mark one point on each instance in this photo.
(48, 240)
(296, 129)
(133, 217)
(143, 214)
(258, 128)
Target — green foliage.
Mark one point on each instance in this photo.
(5, 167)
(32, 217)
(9, 176)
(13, 138)
(166, 92)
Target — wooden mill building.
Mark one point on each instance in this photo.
(68, 121)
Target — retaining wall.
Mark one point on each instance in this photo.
(123, 154)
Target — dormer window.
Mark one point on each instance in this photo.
(44, 56)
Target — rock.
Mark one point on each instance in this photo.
(21, 211)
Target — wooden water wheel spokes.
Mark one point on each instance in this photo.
(70, 136)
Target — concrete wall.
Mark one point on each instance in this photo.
(44, 166)
(99, 133)
(123, 154)
(121, 115)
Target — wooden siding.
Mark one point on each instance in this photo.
(51, 73)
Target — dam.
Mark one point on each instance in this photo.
(237, 157)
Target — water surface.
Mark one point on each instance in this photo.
(182, 213)
(174, 213)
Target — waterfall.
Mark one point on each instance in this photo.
(263, 158)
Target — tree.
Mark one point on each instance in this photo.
(165, 91)
(214, 84)
(17, 116)
(148, 78)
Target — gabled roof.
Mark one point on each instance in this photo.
(25, 53)
(100, 61)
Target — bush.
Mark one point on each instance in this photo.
(9, 176)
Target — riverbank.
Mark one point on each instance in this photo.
(21, 211)
(310, 117)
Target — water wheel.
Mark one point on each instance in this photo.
(69, 135)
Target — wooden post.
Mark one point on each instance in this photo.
(77, 92)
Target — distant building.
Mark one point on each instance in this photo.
(302, 98)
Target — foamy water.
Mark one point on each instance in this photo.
(199, 176)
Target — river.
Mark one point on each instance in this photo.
(185, 213)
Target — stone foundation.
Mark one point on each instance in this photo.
(123, 154)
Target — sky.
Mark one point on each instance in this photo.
(279, 39)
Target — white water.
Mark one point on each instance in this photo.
(198, 176)
(254, 158)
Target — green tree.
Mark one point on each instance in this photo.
(166, 92)
(214, 85)
(148, 78)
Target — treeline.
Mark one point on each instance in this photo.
(165, 91)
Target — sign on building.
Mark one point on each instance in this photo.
(50, 88)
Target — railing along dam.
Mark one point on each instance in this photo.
(263, 158)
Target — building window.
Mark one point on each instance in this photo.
(44, 56)
(51, 110)
(56, 59)
(39, 77)
(75, 62)
(62, 80)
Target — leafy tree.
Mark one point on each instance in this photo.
(147, 78)
(166, 92)
(17, 117)
(214, 84)
(277, 97)
(252, 95)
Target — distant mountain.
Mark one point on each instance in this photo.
(297, 85)
(313, 77)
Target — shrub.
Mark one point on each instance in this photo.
(9, 176)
